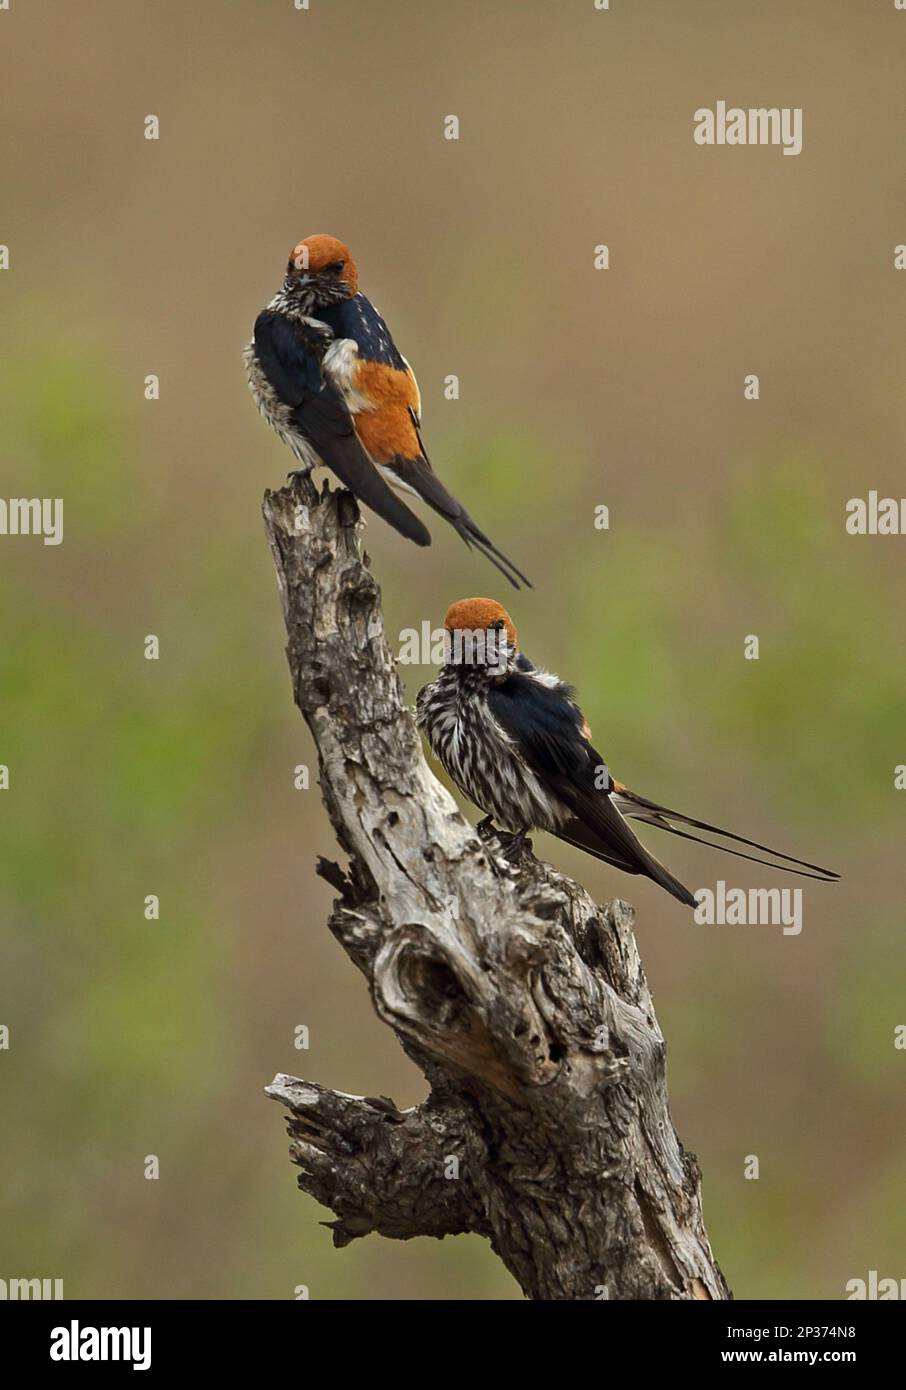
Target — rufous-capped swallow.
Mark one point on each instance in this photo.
(515, 742)
(327, 375)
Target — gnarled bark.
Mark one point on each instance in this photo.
(547, 1128)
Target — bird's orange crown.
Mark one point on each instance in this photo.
(326, 254)
(479, 614)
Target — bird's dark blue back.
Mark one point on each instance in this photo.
(358, 319)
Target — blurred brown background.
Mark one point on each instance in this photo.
(578, 388)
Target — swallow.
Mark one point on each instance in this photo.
(515, 742)
(327, 376)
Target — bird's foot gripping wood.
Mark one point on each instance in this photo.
(514, 847)
(547, 1127)
(301, 474)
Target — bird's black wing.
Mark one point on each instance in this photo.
(547, 727)
(290, 356)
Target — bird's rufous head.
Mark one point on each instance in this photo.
(322, 268)
(476, 626)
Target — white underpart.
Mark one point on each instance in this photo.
(341, 362)
(397, 482)
(543, 677)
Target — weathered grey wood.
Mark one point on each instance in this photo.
(547, 1128)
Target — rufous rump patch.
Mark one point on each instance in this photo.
(388, 432)
(385, 385)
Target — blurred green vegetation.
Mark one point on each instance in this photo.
(130, 777)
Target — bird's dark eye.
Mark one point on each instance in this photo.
(336, 265)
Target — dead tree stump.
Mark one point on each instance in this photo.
(547, 1127)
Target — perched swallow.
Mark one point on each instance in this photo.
(326, 374)
(513, 739)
